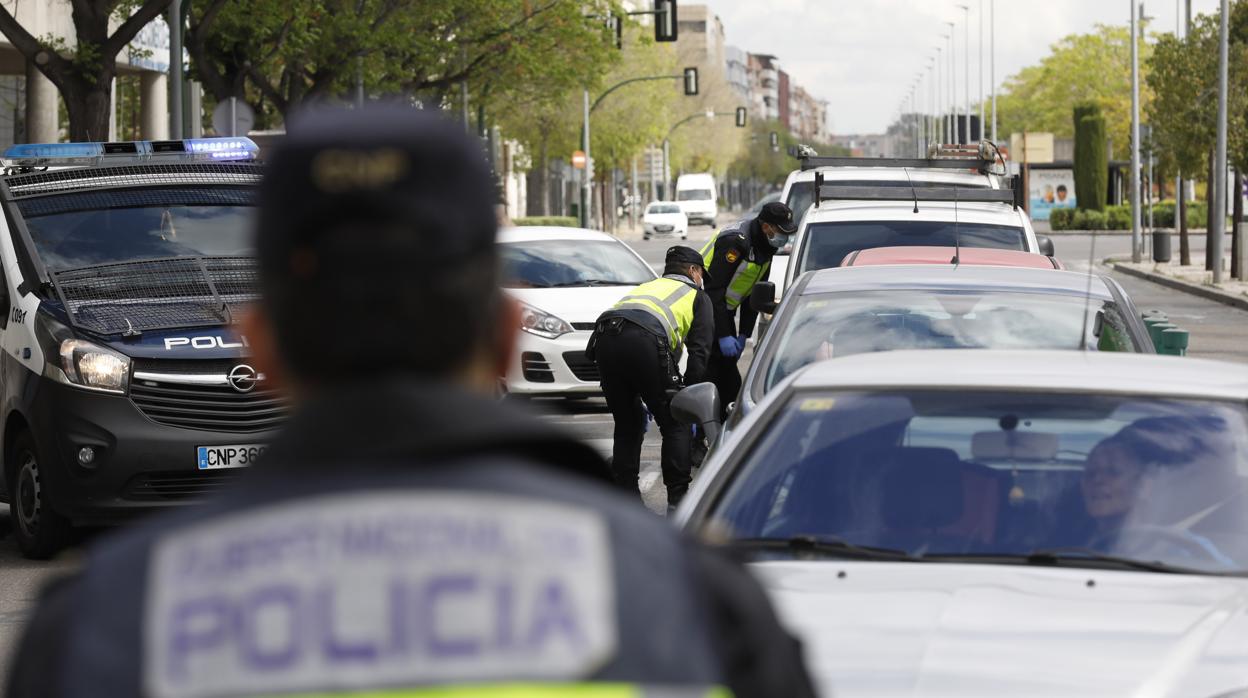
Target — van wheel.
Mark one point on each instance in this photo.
(40, 531)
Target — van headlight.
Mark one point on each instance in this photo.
(88, 365)
(542, 324)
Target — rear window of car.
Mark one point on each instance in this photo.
(831, 325)
(663, 208)
(802, 194)
(827, 244)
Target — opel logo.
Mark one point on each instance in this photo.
(243, 378)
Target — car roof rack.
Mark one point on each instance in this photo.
(982, 157)
(914, 194)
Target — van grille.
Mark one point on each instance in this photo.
(206, 407)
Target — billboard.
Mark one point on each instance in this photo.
(1050, 189)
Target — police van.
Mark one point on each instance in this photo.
(124, 386)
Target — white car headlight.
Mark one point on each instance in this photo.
(542, 324)
(91, 366)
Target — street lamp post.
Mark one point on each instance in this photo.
(931, 100)
(981, 70)
(1219, 192)
(1135, 139)
(938, 107)
(953, 88)
(992, 62)
(966, 62)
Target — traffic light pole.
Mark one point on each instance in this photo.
(667, 145)
(691, 88)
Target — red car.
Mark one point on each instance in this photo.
(978, 256)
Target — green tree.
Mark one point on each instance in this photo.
(1091, 158)
(1081, 68)
(288, 52)
(83, 71)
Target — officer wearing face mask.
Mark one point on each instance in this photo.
(736, 259)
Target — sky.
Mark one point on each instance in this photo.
(863, 55)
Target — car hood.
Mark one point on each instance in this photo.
(578, 304)
(664, 218)
(905, 629)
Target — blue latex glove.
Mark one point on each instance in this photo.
(741, 340)
(729, 347)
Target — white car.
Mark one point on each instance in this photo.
(664, 219)
(833, 228)
(799, 186)
(564, 278)
(990, 523)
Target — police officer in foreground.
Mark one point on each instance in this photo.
(637, 345)
(737, 258)
(405, 532)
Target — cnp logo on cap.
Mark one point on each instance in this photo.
(335, 171)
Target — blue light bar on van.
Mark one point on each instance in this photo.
(71, 154)
(222, 148)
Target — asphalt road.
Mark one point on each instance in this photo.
(1218, 331)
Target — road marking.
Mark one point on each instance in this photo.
(648, 481)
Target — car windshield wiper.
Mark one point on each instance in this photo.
(831, 547)
(1073, 557)
(594, 282)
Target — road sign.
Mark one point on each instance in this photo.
(244, 118)
(578, 159)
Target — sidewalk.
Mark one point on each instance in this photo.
(1191, 279)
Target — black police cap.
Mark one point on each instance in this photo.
(386, 167)
(780, 215)
(680, 255)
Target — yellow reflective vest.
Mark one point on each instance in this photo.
(668, 300)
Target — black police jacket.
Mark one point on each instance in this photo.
(735, 244)
(401, 536)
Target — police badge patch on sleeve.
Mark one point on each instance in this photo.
(379, 589)
(732, 256)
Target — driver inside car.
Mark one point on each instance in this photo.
(1113, 484)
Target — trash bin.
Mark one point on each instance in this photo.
(1174, 342)
(1161, 246)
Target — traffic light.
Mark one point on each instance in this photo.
(665, 28)
(617, 25)
(740, 117)
(691, 81)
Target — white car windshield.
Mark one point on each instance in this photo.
(827, 244)
(570, 263)
(995, 477)
(830, 325)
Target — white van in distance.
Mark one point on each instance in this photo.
(696, 195)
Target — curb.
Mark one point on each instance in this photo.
(1202, 291)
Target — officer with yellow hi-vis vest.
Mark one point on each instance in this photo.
(637, 345)
(737, 258)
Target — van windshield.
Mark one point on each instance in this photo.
(85, 228)
(693, 195)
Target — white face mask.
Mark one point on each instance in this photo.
(778, 241)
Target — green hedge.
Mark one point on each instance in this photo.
(557, 221)
(1119, 217)
(1061, 218)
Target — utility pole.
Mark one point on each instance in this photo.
(1220, 194)
(966, 64)
(931, 100)
(992, 62)
(1135, 138)
(175, 70)
(586, 184)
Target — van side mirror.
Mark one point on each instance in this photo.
(1046, 245)
(699, 404)
(763, 297)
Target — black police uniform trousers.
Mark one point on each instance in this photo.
(636, 366)
(725, 374)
